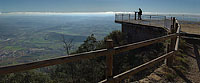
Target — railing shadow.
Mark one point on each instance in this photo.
(181, 75)
(196, 52)
(188, 52)
(191, 56)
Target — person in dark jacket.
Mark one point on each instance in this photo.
(140, 14)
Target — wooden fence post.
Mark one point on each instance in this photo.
(176, 27)
(172, 43)
(109, 61)
(168, 60)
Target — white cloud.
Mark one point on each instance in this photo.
(56, 13)
(96, 13)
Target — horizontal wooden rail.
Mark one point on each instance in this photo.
(137, 69)
(55, 61)
(80, 56)
(128, 47)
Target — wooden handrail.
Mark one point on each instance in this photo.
(133, 46)
(50, 62)
(139, 68)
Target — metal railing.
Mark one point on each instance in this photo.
(152, 20)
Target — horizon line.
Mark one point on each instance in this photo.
(108, 12)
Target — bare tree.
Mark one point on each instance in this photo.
(68, 44)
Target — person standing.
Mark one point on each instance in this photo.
(140, 14)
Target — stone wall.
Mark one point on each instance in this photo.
(136, 32)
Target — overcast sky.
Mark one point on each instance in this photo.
(165, 6)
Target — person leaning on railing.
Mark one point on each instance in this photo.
(140, 14)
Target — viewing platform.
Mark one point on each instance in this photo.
(148, 20)
(148, 30)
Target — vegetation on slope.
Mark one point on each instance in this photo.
(166, 74)
(93, 70)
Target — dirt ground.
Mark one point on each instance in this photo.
(190, 27)
(193, 74)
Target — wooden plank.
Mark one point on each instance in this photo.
(172, 42)
(178, 37)
(50, 62)
(178, 30)
(128, 47)
(167, 60)
(177, 43)
(140, 68)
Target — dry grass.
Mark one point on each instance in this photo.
(190, 27)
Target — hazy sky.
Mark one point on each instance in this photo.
(168, 6)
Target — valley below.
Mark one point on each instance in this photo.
(28, 38)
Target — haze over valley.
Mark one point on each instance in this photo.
(27, 38)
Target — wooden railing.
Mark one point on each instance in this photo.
(109, 52)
